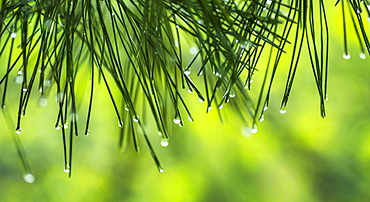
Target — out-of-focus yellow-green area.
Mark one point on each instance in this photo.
(297, 156)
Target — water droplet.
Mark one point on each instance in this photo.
(268, 1)
(190, 119)
(232, 94)
(59, 97)
(201, 99)
(87, 133)
(187, 72)
(177, 26)
(282, 110)
(67, 169)
(47, 24)
(193, 50)
(346, 56)
(19, 79)
(262, 118)
(25, 89)
(65, 126)
(29, 178)
(4, 106)
(13, 35)
(209, 108)
(254, 129)
(47, 83)
(265, 108)
(221, 106)
(18, 131)
(43, 102)
(164, 142)
(58, 127)
(247, 131)
(161, 170)
(181, 124)
(135, 118)
(177, 120)
(176, 42)
(160, 133)
(326, 97)
(247, 45)
(362, 55)
(120, 124)
(73, 117)
(200, 21)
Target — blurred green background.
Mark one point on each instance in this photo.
(297, 156)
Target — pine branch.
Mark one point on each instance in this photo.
(139, 48)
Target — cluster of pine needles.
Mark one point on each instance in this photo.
(152, 51)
